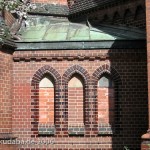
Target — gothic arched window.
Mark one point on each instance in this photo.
(106, 103)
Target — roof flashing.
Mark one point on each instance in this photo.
(81, 45)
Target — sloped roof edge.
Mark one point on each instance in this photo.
(81, 45)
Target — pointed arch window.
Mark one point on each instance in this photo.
(140, 13)
(128, 17)
(117, 18)
(76, 105)
(106, 103)
(46, 105)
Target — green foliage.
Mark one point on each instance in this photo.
(9, 4)
(19, 7)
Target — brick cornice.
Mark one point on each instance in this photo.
(60, 58)
(98, 56)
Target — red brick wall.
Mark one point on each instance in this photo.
(62, 2)
(146, 138)
(106, 105)
(5, 92)
(128, 69)
(6, 83)
(134, 9)
(46, 105)
(75, 104)
(9, 18)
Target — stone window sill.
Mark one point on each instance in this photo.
(46, 129)
(7, 136)
(76, 130)
(105, 129)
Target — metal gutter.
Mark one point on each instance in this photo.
(81, 45)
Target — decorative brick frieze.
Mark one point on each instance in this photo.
(70, 57)
(117, 14)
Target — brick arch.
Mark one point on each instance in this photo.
(139, 11)
(116, 17)
(105, 18)
(114, 75)
(45, 70)
(106, 69)
(127, 13)
(128, 17)
(76, 69)
(37, 77)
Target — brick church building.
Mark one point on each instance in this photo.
(76, 76)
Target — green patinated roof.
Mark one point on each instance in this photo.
(43, 29)
(63, 32)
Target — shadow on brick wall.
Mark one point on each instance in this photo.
(131, 115)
